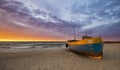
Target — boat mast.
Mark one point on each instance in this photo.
(74, 34)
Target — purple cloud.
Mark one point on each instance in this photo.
(96, 18)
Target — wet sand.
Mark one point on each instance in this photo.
(59, 59)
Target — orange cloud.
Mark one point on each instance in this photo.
(12, 35)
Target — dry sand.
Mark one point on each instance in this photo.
(59, 59)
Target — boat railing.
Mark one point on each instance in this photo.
(86, 37)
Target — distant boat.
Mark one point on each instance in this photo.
(88, 46)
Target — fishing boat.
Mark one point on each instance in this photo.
(88, 46)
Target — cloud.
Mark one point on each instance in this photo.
(94, 17)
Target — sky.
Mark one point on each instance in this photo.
(54, 20)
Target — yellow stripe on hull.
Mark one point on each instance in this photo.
(86, 41)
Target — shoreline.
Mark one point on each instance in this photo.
(59, 59)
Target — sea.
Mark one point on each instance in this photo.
(31, 45)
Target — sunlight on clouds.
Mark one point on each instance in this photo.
(20, 24)
(45, 17)
(54, 18)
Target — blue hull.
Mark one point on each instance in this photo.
(88, 49)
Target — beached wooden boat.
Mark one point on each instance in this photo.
(88, 46)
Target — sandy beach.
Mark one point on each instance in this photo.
(59, 59)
